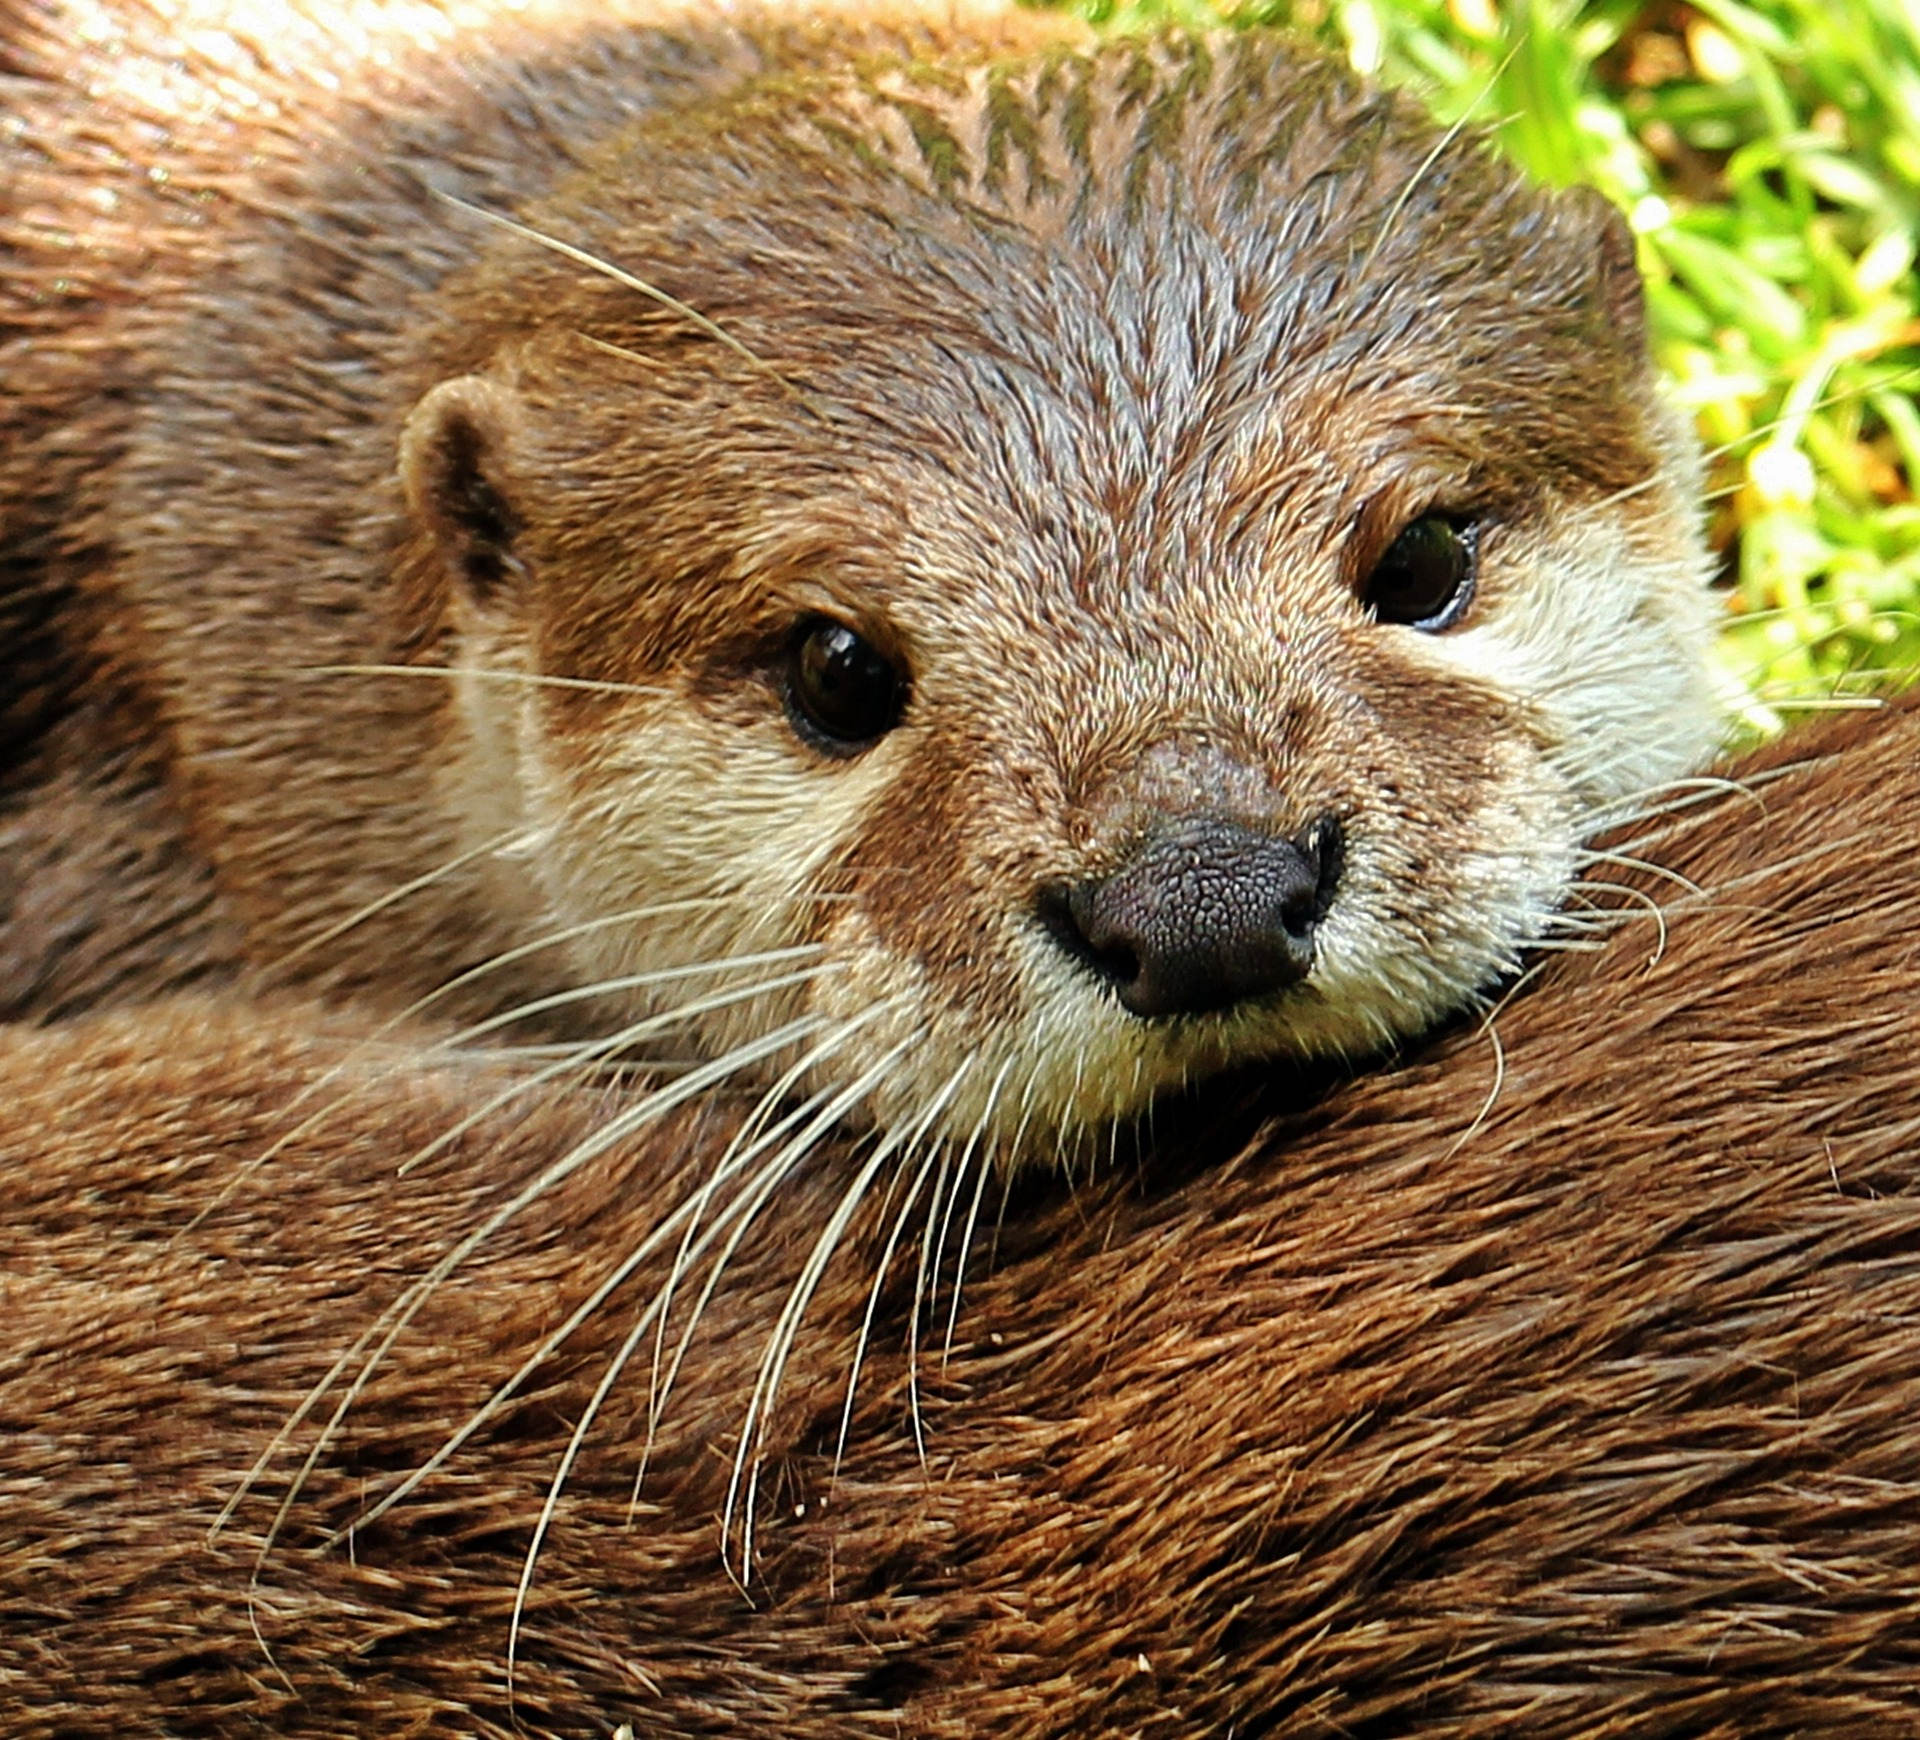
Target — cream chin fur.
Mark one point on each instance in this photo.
(738, 878)
(1602, 641)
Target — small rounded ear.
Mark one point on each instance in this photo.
(455, 465)
(1618, 295)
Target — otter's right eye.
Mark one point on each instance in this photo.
(842, 691)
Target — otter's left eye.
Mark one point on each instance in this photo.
(842, 691)
(1425, 577)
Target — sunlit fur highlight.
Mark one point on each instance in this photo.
(1087, 379)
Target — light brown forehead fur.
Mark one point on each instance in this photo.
(1242, 325)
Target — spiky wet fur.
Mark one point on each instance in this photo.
(1089, 383)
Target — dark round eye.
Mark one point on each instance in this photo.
(842, 692)
(1425, 577)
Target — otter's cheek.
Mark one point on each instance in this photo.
(885, 1050)
(1600, 629)
(687, 853)
(925, 1062)
(1434, 918)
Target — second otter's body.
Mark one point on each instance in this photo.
(977, 587)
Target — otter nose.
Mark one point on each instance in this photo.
(1203, 915)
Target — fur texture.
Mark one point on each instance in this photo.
(1562, 1388)
(595, 353)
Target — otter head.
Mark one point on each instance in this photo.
(1041, 581)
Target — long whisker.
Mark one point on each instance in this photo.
(394, 1320)
(934, 1149)
(1611, 921)
(475, 673)
(619, 275)
(1674, 797)
(741, 1214)
(553, 939)
(1492, 1033)
(1758, 433)
(1804, 703)
(960, 1256)
(946, 1187)
(754, 1135)
(616, 1130)
(1625, 861)
(617, 1041)
(418, 1007)
(651, 979)
(838, 1103)
(966, 1160)
(1018, 1146)
(394, 896)
(1445, 140)
(780, 1343)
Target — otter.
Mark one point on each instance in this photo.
(961, 573)
(1558, 1387)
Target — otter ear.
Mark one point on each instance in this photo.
(1619, 297)
(456, 467)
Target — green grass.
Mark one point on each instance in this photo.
(1768, 155)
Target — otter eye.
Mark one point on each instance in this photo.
(1425, 577)
(842, 692)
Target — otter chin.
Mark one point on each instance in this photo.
(962, 574)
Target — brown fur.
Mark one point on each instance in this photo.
(180, 189)
(1591, 1415)
(1091, 384)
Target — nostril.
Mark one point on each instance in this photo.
(1070, 913)
(1322, 846)
(1116, 962)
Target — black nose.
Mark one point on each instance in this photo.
(1203, 915)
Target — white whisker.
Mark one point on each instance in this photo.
(946, 1187)
(394, 896)
(531, 679)
(837, 1104)
(966, 1236)
(1625, 861)
(650, 980)
(1492, 1033)
(600, 1048)
(362, 1046)
(618, 275)
(934, 1150)
(393, 1321)
(780, 1342)
(1411, 185)
(1618, 916)
(739, 1216)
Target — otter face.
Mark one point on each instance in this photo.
(1140, 582)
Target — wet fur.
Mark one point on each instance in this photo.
(1091, 390)
(1564, 1387)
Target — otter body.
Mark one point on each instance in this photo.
(1560, 1389)
(971, 574)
